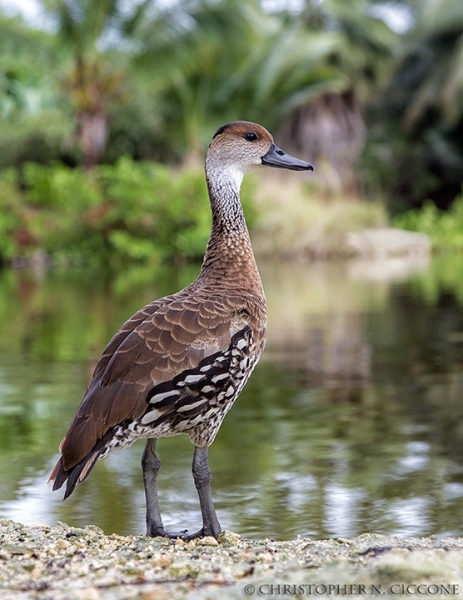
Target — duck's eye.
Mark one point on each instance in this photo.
(251, 136)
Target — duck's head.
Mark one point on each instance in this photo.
(242, 145)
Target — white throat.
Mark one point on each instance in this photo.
(224, 179)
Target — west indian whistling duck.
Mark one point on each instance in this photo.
(179, 363)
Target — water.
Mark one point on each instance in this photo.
(352, 421)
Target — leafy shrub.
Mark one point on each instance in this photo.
(129, 212)
(36, 138)
(13, 215)
(445, 229)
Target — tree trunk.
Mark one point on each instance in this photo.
(92, 135)
(330, 133)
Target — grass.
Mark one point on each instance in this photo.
(444, 228)
(297, 221)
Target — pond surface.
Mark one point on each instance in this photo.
(352, 421)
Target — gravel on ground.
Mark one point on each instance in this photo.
(59, 562)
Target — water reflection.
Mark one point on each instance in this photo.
(352, 422)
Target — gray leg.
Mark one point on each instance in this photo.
(202, 479)
(151, 464)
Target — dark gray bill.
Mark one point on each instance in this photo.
(275, 157)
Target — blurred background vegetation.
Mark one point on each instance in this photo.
(107, 108)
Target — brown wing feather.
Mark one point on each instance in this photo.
(124, 331)
(159, 342)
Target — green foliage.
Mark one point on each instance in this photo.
(414, 149)
(37, 138)
(12, 216)
(154, 80)
(130, 212)
(445, 229)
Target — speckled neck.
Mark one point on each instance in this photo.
(229, 254)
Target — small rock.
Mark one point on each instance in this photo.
(228, 538)
(248, 556)
(90, 593)
(155, 594)
(77, 532)
(208, 541)
(94, 529)
(16, 549)
(265, 557)
(371, 539)
(162, 561)
(71, 549)
(184, 570)
(386, 241)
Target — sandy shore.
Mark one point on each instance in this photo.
(60, 562)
